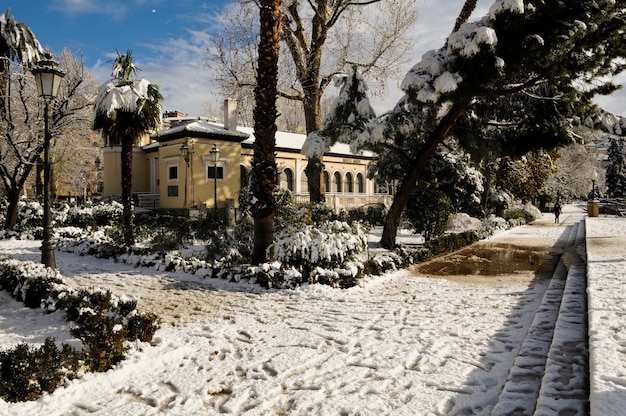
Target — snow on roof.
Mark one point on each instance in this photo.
(284, 140)
(295, 141)
(201, 127)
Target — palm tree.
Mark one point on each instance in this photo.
(17, 43)
(264, 158)
(125, 110)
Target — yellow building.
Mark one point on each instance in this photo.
(175, 169)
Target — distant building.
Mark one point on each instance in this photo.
(163, 178)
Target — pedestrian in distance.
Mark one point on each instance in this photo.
(557, 212)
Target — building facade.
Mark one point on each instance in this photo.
(175, 169)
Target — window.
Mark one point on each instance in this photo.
(337, 182)
(172, 173)
(215, 172)
(286, 179)
(348, 183)
(326, 181)
(360, 183)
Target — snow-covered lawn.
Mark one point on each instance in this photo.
(400, 344)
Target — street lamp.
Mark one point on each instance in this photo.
(48, 79)
(594, 178)
(184, 151)
(215, 156)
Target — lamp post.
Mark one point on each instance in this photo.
(215, 156)
(48, 78)
(594, 178)
(184, 151)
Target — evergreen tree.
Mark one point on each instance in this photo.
(616, 169)
(527, 69)
(350, 113)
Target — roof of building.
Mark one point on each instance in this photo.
(198, 128)
(202, 128)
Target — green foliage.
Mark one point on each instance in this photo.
(451, 242)
(26, 373)
(142, 327)
(103, 338)
(371, 214)
(104, 322)
(616, 169)
(428, 211)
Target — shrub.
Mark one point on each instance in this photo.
(528, 212)
(104, 339)
(25, 372)
(331, 246)
(451, 242)
(428, 211)
(104, 321)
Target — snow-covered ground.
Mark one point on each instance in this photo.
(606, 273)
(401, 344)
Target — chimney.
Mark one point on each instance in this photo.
(230, 114)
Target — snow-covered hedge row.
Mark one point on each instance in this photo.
(43, 287)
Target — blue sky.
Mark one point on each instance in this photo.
(169, 39)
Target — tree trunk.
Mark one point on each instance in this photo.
(466, 11)
(127, 190)
(415, 169)
(264, 171)
(315, 166)
(11, 219)
(317, 187)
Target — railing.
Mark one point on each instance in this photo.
(147, 200)
(348, 201)
(614, 206)
(336, 201)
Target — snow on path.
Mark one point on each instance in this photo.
(606, 270)
(401, 344)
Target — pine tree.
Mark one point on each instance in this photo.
(350, 113)
(616, 169)
(527, 69)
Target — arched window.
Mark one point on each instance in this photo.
(304, 182)
(286, 179)
(360, 183)
(327, 181)
(348, 183)
(337, 182)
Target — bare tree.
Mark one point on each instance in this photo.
(22, 125)
(76, 147)
(323, 38)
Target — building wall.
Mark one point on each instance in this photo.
(112, 172)
(162, 170)
(192, 186)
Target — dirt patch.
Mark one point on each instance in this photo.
(486, 261)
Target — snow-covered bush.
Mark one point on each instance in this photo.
(27, 372)
(98, 215)
(500, 200)
(331, 245)
(104, 321)
(462, 222)
(528, 212)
